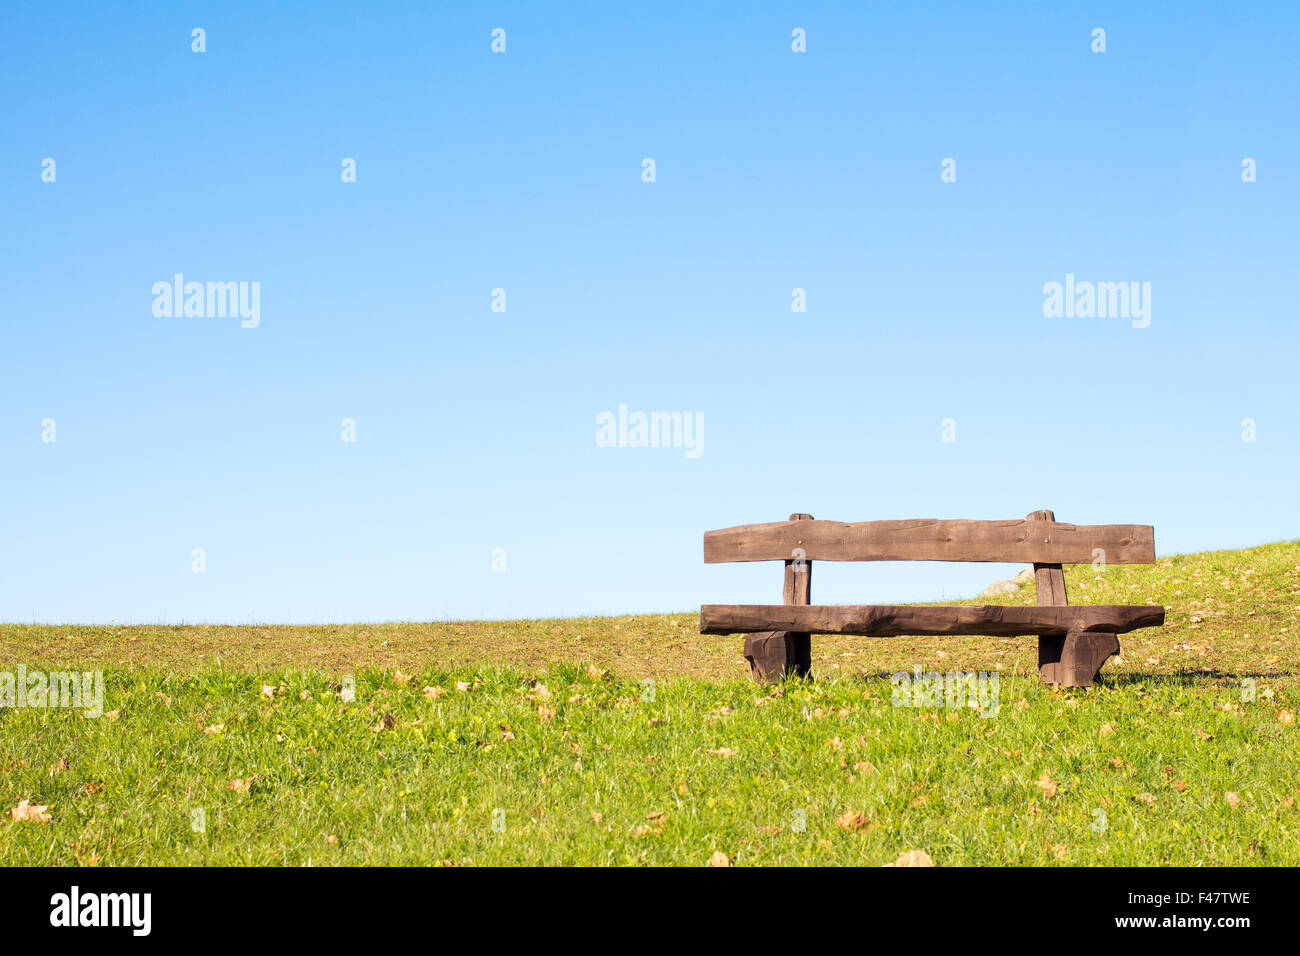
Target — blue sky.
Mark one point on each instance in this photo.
(522, 170)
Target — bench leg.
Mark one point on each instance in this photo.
(1075, 659)
(773, 655)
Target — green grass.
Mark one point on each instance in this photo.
(614, 777)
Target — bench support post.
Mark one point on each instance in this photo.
(774, 654)
(1072, 660)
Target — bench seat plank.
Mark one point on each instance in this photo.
(1018, 541)
(890, 620)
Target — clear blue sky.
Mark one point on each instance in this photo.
(775, 170)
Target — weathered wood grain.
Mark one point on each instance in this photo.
(1082, 656)
(1020, 540)
(890, 620)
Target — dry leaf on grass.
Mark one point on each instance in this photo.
(59, 766)
(912, 858)
(1046, 784)
(26, 812)
(719, 859)
(433, 693)
(854, 820)
(268, 690)
(724, 752)
(386, 722)
(240, 784)
(1286, 717)
(1232, 798)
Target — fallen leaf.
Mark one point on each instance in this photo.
(29, 813)
(386, 722)
(913, 858)
(268, 690)
(59, 766)
(719, 859)
(1147, 799)
(462, 686)
(111, 714)
(854, 820)
(433, 693)
(1232, 799)
(240, 784)
(1286, 717)
(724, 752)
(1046, 784)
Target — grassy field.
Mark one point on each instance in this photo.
(636, 740)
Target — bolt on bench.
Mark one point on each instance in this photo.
(1073, 641)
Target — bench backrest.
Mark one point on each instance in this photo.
(1023, 540)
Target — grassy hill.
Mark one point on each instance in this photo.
(635, 739)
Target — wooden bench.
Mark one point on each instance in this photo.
(1073, 641)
